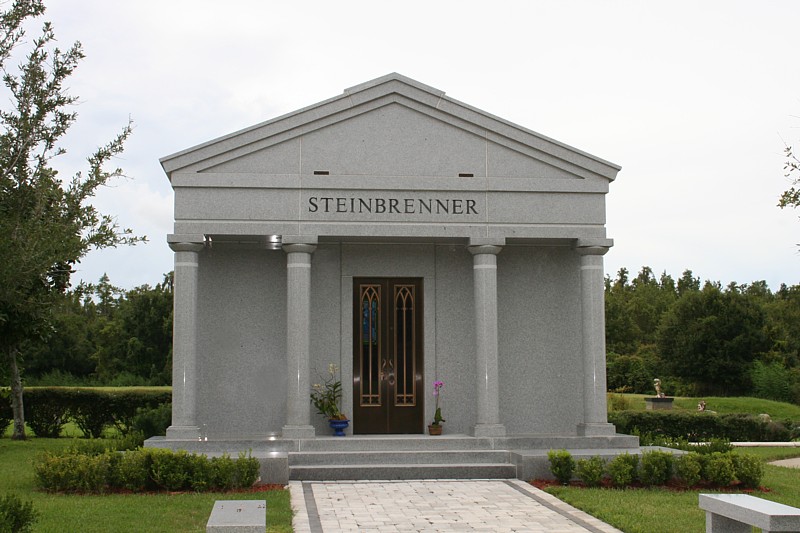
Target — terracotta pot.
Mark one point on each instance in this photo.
(434, 430)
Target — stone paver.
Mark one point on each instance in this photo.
(434, 505)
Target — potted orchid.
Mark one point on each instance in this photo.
(326, 397)
(436, 427)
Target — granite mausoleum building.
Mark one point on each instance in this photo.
(405, 237)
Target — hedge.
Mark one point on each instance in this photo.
(659, 467)
(143, 469)
(698, 427)
(47, 409)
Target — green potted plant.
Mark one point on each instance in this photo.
(436, 427)
(327, 397)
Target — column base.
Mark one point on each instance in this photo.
(596, 429)
(183, 433)
(298, 432)
(489, 430)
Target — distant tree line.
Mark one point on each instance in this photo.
(103, 335)
(701, 338)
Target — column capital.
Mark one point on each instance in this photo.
(483, 249)
(186, 246)
(299, 239)
(593, 246)
(299, 248)
(591, 250)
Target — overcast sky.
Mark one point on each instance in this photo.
(693, 99)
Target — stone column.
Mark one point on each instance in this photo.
(298, 329)
(184, 339)
(484, 261)
(593, 334)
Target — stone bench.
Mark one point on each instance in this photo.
(735, 513)
(238, 516)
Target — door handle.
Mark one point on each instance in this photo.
(387, 371)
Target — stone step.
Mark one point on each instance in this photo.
(393, 443)
(402, 471)
(399, 457)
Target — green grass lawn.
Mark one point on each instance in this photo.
(664, 511)
(119, 512)
(738, 404)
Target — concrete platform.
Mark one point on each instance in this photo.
(392, 457)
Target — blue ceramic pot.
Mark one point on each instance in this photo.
(338, 427)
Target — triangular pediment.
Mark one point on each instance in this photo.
(392, 126)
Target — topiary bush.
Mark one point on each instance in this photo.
(562, 465)
(622, 469)
(748, 469)
(591, 470)
(16, 516)
(655, 467)
(688, 468)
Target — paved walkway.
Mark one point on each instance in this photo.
(790, 463)
(434, 505)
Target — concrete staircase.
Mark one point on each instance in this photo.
(401, 464)
(388, 457)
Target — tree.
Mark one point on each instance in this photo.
(46, 223)
(137, 338)
(711, 338)
(791, 196)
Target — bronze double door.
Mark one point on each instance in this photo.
(387, 356)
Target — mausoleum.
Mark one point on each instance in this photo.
(405, 237)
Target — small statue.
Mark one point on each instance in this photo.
(701, 406)
(657, 384)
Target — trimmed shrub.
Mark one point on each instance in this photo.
(247, 470)
(622, 469)
(688, 468)
(92, 410)
(718, 469)
(229, 474)
(142, 469)
(591, 470)
(72, 472)
(562, 465)
(202, 477)
(748, 469)
(170, 470)
(44, 414)
(133, 471)
(655, 467)
(152, 421)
